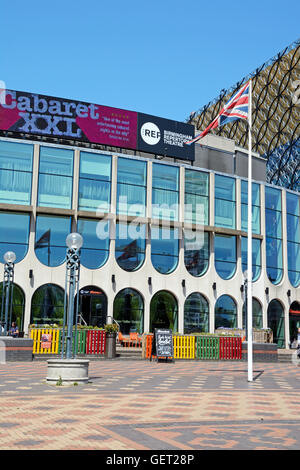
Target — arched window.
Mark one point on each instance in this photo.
(129, 311)
(257, 319)
(225, 312)
(95, 250)
(14, 234)
(130, 245)
(274, 234)
(163, 311)
(196, 314)
(16, 309)
(196, 252)
(164, 249)
(256, 257)
(276, 322)
(225, 255)
(47, 305)
(293, 237)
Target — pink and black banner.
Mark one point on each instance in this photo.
(28, 113)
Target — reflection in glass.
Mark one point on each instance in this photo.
(50, 239)
(94, 182)
(15, 173)
(129, 311)
(164, 249)
(163, 311)
(165, 191)
(18, 306)
(47, 305)
(196, 314)
(276, 322)
(131, 189)
(225, 312)
(196, 252)
(130, 245)
(293, 237)
(256, 257)
(273, 234)
(255, 207)
(95, 250)
(14, 234)
(224, 201)
(196, 197)
(257, 318)
(225, 255)
(55, 177)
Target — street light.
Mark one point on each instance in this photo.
(74, 242)
(9, 258)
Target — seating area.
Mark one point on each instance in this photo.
(133, 340)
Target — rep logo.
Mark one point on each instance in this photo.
(150, 133)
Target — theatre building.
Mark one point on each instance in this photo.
(164, 226)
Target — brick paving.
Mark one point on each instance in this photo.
(143, 405)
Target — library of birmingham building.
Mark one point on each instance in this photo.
(164, 225)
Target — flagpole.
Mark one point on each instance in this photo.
(249, 258)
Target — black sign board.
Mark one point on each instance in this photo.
(162, 344)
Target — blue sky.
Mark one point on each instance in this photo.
(164, 57)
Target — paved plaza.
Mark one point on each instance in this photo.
(143, 405)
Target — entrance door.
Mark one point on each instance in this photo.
(92, 306)
(294, 318)
(163, 311)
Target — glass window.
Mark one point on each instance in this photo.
(276, 322)
(14, 234)
(94, 182)
(196, 197)
(131, 189)
(273, 234)
(224, 201)
(47, 306)
(130, 245)
(129, 311)
(225, 312)
(95, 249)
(50, 239)
(163, 311)
(196, 252)
(255, 207)
(18, 306)
(225, 255)
(293, 237)
(257, 318)
(256, 257)
(196, 314)
(164, 249)
(15, 173)
(165, 191)
(55, 177)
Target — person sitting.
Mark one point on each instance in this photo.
(14, 331)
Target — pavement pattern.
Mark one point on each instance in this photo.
(143, 405)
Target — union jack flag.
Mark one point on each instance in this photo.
(236, 108)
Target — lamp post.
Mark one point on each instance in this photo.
(74, 242)
(9, 259)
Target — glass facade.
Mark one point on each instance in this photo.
(196, 187)
(94, 182)
(131, 187)
(95, 250)
(274, 259)
(257, 316)
(130, 245)
(255, 207)
(14, 234)
(47, 305)
(129, 311)
(225, 312)
(55, 177)
(164, 249)
(165, 191)
(225, 255)
(293, 237)
(196, 252)
(163, 311)
(16, 314)
(256, 257)
(225, 201)
(15, 173)
(276, 322)
(50, 239)
(196, 314)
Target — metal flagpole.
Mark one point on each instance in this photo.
(249, 264)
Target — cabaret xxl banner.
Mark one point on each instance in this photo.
(22, 112)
